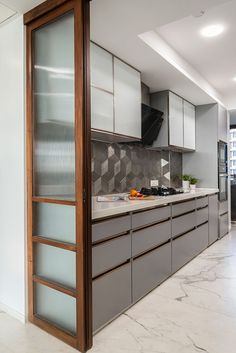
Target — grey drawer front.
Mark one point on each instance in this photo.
(141, 219)
(183, 223)
(223, 207)
(189, 245)
(224, 225)
(105, 229)
(150, 270)
(111, 295)
(150, 237)
(111, 254)
(202, 215)
(202, 202)
(183, 207)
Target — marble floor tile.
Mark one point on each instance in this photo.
(193, 311)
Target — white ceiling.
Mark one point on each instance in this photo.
(21, 6)
(214, 58)
(5, 13)
(116, 26)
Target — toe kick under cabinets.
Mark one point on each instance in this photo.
(135, 252)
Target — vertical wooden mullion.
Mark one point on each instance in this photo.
(83, 194)
(29, 161)
(88, 174)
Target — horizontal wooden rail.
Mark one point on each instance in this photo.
(57, 244)
(53, 285)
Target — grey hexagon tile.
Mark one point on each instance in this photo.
(117, 168)
(104, 167)
(120, 167)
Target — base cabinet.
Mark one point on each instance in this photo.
(186, 247)
(223, 224)
(134, 253)
(111, 295)
(150, 270)
(213, 218)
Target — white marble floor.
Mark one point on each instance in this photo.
(194, 311)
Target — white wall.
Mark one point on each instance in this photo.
(12, 183)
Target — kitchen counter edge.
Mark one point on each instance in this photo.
(108, 209)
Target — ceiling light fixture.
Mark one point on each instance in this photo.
(212, 30)
(234, 79)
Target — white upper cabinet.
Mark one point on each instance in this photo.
(176, 120)
(222, 124)
(189, 125)
(115, 97)
(101, 68)
(127, 98)
(102, 110)
(178, 127)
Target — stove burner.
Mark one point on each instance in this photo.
(160, 191)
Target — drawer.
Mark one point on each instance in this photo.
(183, 223)
(150, 237)
(224, 225)
(202, 202)
(188, 246)
(111, 295)
(110, 227)
(223, 207)
(110, 254)
(202, 215)
(150, 270)
(183, 207)
(141, 219)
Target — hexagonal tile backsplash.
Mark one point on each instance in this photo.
(117, 168)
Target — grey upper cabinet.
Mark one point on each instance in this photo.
(178, 127)
(222, 124)
(189, 125)
(115, 98)
(176, 120)
(127, 95)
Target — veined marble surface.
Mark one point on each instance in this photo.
(106, 209)
(194, 311)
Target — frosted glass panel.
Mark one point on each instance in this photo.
(56, 307)
(54, 221)
(53, 70)
(56, 264)
(101, 68)
(102, 110)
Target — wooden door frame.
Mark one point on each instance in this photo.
(37, 17)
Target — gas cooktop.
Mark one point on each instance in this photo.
(161, 191)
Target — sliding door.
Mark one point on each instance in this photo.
(58, 169)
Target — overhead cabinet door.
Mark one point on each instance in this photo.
(101, 68)
(176, 120)
(102, 110)
(127, 95)
(102, 99)
(189, 125)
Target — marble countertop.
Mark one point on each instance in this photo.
(106, 209)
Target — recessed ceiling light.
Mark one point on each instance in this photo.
(234, 79)
(212, 31)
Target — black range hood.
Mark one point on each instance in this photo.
(151, 124)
